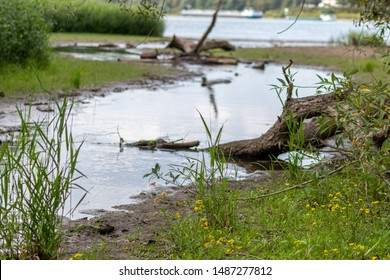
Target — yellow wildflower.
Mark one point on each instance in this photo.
(220, 241)
(374, 258)
(367, 211)
(178, 215)
(308, 206)
(360, 247)
(326, 252)
(298, 242)
(375, 202)
(156, 200)
(335, 250)
(229, 251)
(163, 194)
(365, 90)
(75, 256)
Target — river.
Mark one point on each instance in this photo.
(261, 32)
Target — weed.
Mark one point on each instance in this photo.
(215, 200)
(38, 172)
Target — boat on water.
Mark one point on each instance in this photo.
(245, 13)
(327, 17)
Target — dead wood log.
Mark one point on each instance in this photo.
(149, 54)
(183, 45)
(275, 140)
(188, 46)
(162, 144)
(178, 146)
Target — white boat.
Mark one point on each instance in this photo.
(246, 13)
(327, 17)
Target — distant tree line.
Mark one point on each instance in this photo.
(263, 5)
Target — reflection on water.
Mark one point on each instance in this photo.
(246, 108)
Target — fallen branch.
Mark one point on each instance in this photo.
(162, 144)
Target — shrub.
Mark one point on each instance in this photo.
(95, 17)
(23, 32)
(356, 38)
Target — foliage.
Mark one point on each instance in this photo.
(100, 17)
(365, 117)
(23, 32)
(363, 38)
(38, 172)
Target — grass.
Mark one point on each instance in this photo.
(38, 172)
(95, 37)
(331, 218)
(67, 73)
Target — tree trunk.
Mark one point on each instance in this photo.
(275, 140)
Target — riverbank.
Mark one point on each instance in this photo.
(321, 217)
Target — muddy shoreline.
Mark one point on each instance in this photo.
(134, 227)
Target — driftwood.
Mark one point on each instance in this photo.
(188, 46)
(149, 54)
(162, 144)
(208, 59)
(275, 140)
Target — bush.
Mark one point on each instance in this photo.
(95, 17)
(356, 38)
(23, 32)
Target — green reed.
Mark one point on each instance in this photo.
(216, 203)
(38, 172)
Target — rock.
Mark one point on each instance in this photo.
(105, 229)
(149, 54)
(259, 66)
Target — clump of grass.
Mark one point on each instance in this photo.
(216, 203)
(356, 38)
(38, 172)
